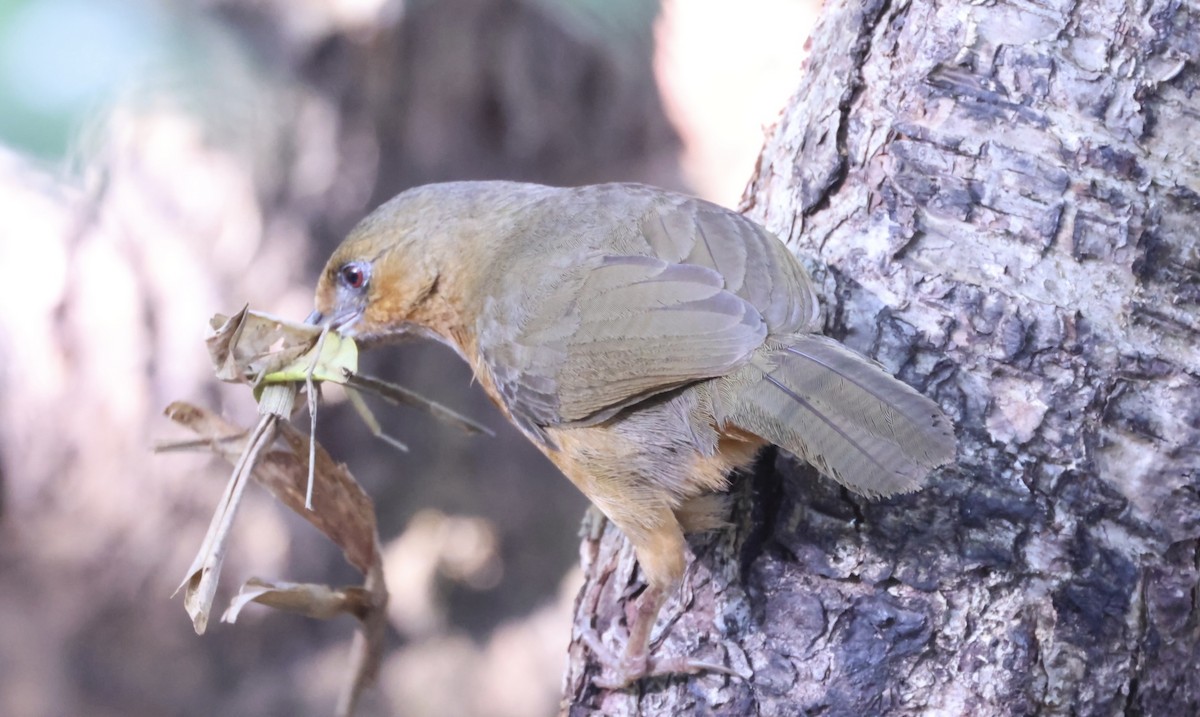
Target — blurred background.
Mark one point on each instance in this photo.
(161, 162)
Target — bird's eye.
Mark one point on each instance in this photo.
(353, 275)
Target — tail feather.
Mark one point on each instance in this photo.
(841, 412)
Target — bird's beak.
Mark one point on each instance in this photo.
(339, 322)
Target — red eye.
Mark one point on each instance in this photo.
(353, 275)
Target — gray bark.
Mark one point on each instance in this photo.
(999, 200)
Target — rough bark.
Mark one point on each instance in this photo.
(999, 201)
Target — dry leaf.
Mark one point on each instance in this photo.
(278, 357)
(249, 345)
(309, 599)
(200, 582)
(344, 513)
(220, 343)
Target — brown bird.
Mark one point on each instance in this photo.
(647, 342)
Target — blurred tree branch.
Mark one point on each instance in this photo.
(207, 189)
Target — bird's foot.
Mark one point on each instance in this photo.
(619, 672)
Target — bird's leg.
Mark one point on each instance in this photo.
(662, 561)
(634, 662)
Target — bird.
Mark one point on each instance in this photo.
(649, 343)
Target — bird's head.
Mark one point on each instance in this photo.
(374, 285)
(410, 265)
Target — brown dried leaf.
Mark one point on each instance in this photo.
(278, 357)
(309, 599)
(251, 344)
(345, 514)
(221, 342)
(200, 582)
(366, 652)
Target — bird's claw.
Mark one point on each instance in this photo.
(619, 672)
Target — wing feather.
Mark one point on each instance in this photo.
(632, 327)
(684, 292)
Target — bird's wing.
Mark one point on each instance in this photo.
(609, 333)
(754, 262)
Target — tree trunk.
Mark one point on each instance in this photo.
(999, 200)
